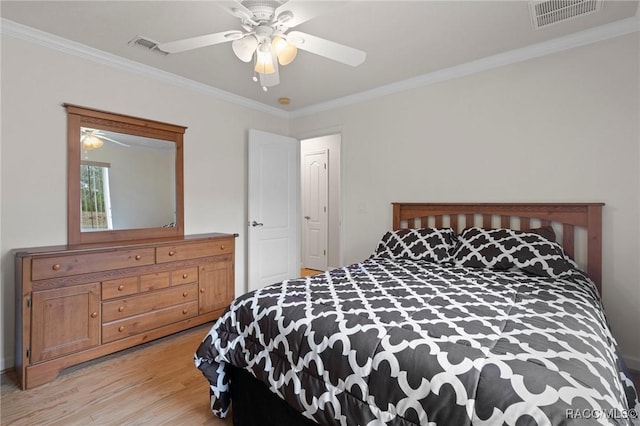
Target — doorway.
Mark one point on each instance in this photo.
(320, 202)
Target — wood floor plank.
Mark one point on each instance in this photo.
(305, 272)
(156, 383)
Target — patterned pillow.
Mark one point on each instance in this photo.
(546, 232)
(430, 244)
(504, 249)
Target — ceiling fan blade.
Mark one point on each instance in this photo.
(329, 49)
(235, 8)
(200, 41)
(113, 140)
(302, 11)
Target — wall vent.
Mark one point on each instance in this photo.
(545, 13)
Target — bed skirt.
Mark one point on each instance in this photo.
(254, 405)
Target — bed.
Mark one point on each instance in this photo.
(472, 313)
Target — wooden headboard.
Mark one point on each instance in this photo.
(522, 216)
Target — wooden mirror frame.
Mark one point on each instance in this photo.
(78, 117)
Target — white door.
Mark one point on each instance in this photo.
(273, 209)
(314, 209)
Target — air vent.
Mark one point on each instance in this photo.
(545, 13)
(148, 44)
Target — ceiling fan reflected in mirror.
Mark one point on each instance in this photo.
(265, 38)
(93, 139)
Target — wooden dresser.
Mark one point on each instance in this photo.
(77, 303)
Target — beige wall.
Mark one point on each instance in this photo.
(563, 127)
(37, 80)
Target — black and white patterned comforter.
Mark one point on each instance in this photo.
(403, 342)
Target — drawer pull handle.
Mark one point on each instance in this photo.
(138, 257)
(171, 253)
(120, 287)
(121, 308)
(94, 314)
(185, 294)
(56, 267)
(184, 276)
(221, 247)
(184, 311)
(202, 290)
(121, 328)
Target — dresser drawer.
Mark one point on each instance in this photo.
(184, 275)
(120, 287)
(60, 266)
(155, 281)
(144, 322)
(175, 252)
(147, 302)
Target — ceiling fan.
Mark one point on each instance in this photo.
(94, 139)
(265, 38)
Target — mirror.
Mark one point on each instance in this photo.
(125, 177)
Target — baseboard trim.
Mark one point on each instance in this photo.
(7, 371)
(7, 364)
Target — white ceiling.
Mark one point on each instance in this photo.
(403, 39)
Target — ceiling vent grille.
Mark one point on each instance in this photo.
(545, 13)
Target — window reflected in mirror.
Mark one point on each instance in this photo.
(95, 198)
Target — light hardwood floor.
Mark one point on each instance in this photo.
(153, 384)
(305, 272)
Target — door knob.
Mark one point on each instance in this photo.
(307, 217)
(254, 223)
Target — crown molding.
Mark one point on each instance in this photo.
(593, 35)
(32, 35)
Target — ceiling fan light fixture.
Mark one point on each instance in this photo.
(286, 52)
(244, 48)
(264, 60)
(90, 142)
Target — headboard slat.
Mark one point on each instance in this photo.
(469, 220)
(454, 222)
(505, 221)
(439, 221)
(567, 239)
